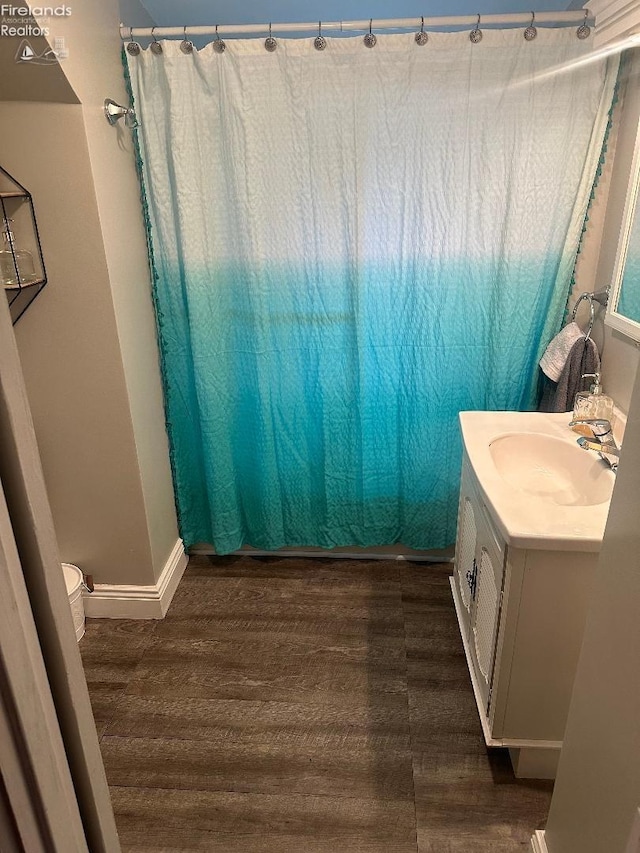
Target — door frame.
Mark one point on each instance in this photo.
(50, 763)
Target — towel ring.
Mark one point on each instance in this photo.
(599, 296)
(588, 297)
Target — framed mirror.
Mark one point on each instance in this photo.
(623, 312)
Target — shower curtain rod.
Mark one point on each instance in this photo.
(565, 17)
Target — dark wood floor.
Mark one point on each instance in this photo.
(302, 706)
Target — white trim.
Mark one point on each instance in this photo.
(538, 844)
(126, 601)
(615, 19)
(328, 553)
(613, 318)
(55, 744)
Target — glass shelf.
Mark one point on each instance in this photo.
(22, 271)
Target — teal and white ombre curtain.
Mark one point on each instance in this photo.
(351, 246)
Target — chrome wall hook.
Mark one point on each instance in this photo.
(370, 40)
(319, 41)
(531, 32)
(422, 37)
(114, 112)
(475, 35)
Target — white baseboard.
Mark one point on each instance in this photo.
(124, 601)
(538, 844)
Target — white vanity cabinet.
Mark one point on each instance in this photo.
(521, 614)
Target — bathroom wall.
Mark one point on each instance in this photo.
(109, 479)
(70, 353)
(594, 270)
(27, 82)
(597, 789)
(94, 70)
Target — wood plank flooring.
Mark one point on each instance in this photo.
(302, 706)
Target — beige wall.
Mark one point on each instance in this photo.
(597, 789)
(70, 355)
(24, 81)
(594, 270)
(94, 70)
(88, 344)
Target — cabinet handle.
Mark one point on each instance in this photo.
(472, 579)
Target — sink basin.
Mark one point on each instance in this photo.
(539, 487)
(551, 468)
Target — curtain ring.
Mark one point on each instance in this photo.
(156, 47)
(370, 40)
(319, 41)
(185, 45)
(270, 43)
(219, 45)
(422, 37)
(531, 32)
(133, 47)
(584, 30)
(476, 34)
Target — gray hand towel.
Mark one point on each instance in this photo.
(559, 396)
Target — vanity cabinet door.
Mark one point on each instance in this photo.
(465, 559)
(486, 604)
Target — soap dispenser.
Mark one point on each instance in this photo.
(593, 403)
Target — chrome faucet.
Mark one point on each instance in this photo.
(603, 441)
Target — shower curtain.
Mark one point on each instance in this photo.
(349, 247)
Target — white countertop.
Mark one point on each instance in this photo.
(526, 520)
